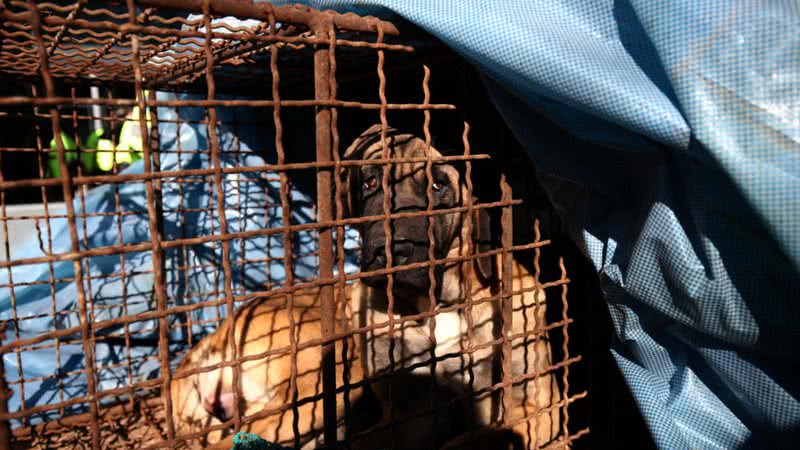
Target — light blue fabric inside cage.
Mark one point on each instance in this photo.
(677, 152)
(252, 202)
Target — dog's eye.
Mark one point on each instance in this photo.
(438, 185)
(370, 183)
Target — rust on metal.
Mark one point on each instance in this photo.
(67, 189)
(288, 241)
(322, 91)
(154, 227)
(5, 393)
(290, 14)
(506, 305)
(288, 61)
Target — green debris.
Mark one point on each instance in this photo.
(247, 441)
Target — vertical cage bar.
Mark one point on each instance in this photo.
(82, 189)
(180, 217)
(50, 269)
(122, 266)
(506, 298)
(565, 347)
(468, 301)
(242, 205)
(426, 130)
(5, 393)
(11, 297)
(322, 92)
(286, 214)
(153, 139)
(340, 233)
(387, 231)
(538, 327)
(155, 150)
(223, 220)
(66, 185)
(157, 253)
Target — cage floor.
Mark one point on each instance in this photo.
(137, 427)
(121, 427)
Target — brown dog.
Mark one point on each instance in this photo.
(465, 356)
(206, 399)
(460, 386)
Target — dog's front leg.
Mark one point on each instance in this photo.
(540, 426)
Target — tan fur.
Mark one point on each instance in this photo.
(264, 325)
(531, 354)
(260, 326)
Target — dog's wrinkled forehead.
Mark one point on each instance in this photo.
(401, 147)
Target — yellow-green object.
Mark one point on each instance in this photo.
(127, 151)
(88, 159)
(129, 148)
(130, 138)
(94, 138)
(106, 155)
(70, 154)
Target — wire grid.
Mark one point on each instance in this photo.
(144, 46)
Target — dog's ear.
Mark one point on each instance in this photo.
(349, 177)
(363, 142)
(482, 242)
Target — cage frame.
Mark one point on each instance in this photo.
(323, 27)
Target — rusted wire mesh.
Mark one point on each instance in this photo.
(289, 61)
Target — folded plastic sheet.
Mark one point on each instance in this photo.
(193, 273)
(677, 152)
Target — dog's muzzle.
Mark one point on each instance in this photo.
(403, 253)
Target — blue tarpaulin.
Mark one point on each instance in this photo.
(676, 163)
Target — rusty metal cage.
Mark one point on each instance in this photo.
(175, 65)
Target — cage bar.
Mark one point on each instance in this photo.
(322, 91)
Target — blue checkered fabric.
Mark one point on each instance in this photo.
(677, 157)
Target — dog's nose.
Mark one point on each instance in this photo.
(379, 257)
(402, 251)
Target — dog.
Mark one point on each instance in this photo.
(206, 399)
(459, 388)
(467, 369)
